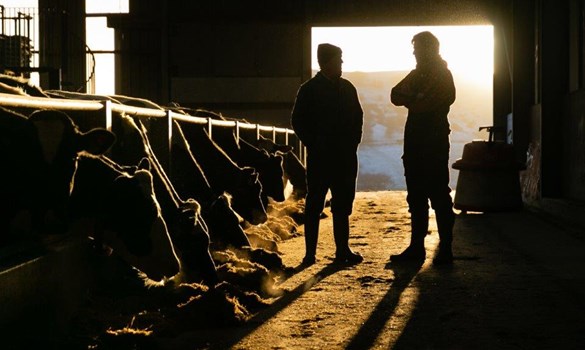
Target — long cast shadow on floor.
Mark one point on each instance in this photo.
(373, 326)
(285, 300)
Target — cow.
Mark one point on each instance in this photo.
(40, 157)
(188, 230)
(119, 209)
(268, 166)
(191, 182)
(225, 175)
(294, 170)
(186, 173)
(243, 153)
(14, 85)
(187, 179)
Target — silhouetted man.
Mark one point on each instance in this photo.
(428, 92)
(328, 118)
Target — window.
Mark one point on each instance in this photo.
(100, 44)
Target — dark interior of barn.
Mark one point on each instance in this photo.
(184, 70)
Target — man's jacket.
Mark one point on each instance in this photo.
(327, 115)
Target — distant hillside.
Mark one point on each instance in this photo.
(380, 163)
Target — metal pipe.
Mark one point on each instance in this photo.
(9, 100)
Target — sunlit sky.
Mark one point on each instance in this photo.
(468, 50)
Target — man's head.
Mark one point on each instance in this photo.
(329, 58)
(426, 46)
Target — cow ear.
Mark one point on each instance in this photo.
(97, 141)
(250, 175)
(253, 178)
(144, 164)
(284, 149)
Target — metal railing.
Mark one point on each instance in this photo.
(107, 109)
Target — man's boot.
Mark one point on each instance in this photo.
(311, 237)
(343, 252)
(415, 252)
(445, 223)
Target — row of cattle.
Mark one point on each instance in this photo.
(111, 186)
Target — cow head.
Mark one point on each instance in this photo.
(246, 197)
(272, 147)
(294, 170)
(45, 147)
(224, 224)
(135, 228)
(270, 171)
(272, 177)
(191, 240)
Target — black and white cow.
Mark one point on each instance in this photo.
(39, 154)
(225, 175)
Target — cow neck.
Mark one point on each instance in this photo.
(196, 177)
(173, 197)
(215, 158)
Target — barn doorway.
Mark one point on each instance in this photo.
(377, 58)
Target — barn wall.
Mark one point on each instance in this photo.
(574, 161)
(574, 127)
(548, 93)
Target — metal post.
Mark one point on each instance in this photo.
(107, 114)
(169, 118)
(237, 130)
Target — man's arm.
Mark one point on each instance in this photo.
(437, 92)
(301, 116)
(404, 93)
(359, 118)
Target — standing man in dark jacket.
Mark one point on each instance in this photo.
(328, 119)
(428, 92)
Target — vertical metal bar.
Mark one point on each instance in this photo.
(237, 130)
(170, 128)
(209, 127)
(107, 114)
(273, 133)
(169, 158)
(301, 153)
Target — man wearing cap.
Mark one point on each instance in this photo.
(328, 118)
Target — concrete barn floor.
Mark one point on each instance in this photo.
(518, 282)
